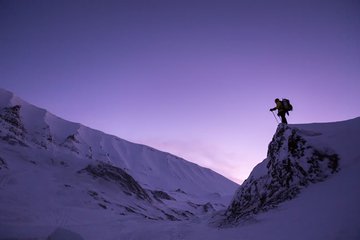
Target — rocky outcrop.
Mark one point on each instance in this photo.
(12, 129)
(161, 195)
(72, 143)
(292, 163)
(118, 176)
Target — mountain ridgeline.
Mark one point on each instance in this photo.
(57, 175)
(102, 170)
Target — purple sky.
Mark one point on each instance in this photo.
(196, 78)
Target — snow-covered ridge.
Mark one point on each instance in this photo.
(63, 180)
(27, 125)
(54, 172)
(298, 156)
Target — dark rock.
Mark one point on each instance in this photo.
(204, 207)
(62, 163)
(130, 210)
(102, 205)
(158, 195)
(12, 140)
(93, 194)
(208, 207)
(71, 143)
(292, 164)
(182, 214)
(170, 217)
(180, 191)
(11, 115)
(118, 176)
(12, 126)
(3, 164)
(72, 138)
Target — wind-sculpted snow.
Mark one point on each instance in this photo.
(292, 164)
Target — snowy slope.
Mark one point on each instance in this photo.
(55, 173)
(152, 168)
(298, 155)
(326, 208)
(64, 181)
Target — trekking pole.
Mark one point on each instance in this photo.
(275, 117)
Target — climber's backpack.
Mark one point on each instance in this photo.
(286, 105)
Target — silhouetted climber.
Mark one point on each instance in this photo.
(281, 110)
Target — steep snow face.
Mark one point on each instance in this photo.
(298, 155)
(54, 172)
(26, 125)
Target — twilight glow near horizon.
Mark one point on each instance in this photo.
(194, 78)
